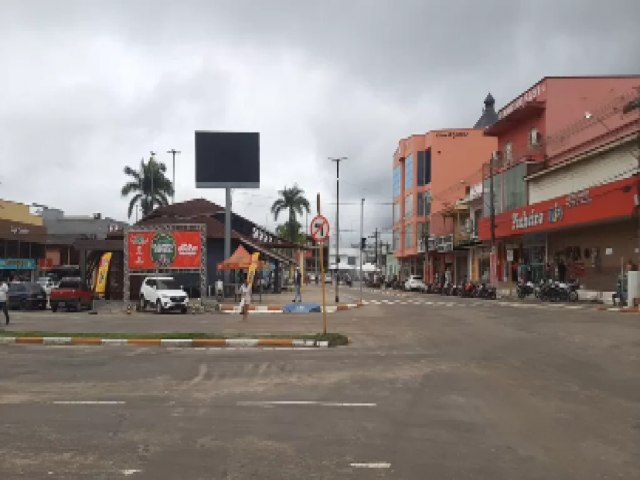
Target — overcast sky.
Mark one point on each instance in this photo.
(88, 87)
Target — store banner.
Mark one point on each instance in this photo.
(598, 203)
(17, 264)
(148, 250)
(252, 268)
(103, 271)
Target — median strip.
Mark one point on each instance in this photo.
(178, 339)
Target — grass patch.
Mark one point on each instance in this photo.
(334, 339)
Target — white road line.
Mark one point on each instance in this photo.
(265, 403)
(131, 471)
(89, 402)
(371, 465)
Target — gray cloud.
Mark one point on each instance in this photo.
(92, 86)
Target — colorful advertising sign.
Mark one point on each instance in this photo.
(252, 268)
(17, 264)
(598, 203)
(103, 271)
(177, 249)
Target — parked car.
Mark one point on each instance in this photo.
(26, 295)
(47, 284)
(164, 293)
(72, 293)
(414, 283)
(328, 278)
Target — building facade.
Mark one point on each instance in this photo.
(22, 241)
(560, 195)
(431, 172)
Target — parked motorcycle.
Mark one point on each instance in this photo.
(486, 291)
(524, 289)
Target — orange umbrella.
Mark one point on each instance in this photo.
(240, 260)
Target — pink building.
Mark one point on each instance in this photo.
(431, 172)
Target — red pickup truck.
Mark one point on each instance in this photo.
(72, 293)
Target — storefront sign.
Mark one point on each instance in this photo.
(20, 231)
(17, 264)
(454, 134)
(524, 220)
(578, 198)
(600, 203)
(528, 96)
(149, 250)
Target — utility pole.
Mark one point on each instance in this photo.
(152, 162)
(361, 236)
(173, 153)
(337, 160)
(492, 213)
(375, 251)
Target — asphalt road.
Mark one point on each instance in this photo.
(455, 390)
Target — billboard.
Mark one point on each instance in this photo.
(173, 249)
(103, 271)
(227, 159)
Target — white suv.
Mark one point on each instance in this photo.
(164, 293)
(414, 282)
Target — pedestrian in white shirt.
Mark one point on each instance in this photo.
(245, 295)
(4, 298)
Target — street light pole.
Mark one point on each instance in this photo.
(337, 160)
(361, 236)
(173, 153)
(152, 169)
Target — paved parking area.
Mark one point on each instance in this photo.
(424, 391)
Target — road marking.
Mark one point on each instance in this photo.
(267, 403)
(371, 465)
(89, 402)
(131, 471)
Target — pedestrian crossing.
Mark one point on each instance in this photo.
(475, 304)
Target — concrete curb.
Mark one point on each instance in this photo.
(253, 309)
(169, 342)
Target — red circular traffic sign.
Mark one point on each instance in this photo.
(319, 228)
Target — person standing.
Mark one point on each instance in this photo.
(562, 271)
(4, 298)
(245, 299)
(297, 281)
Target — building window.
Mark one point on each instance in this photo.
(408, 206)
(351, 260)
(408, 172)
(408, 236)
(420, 204)
(427, 203)
(427, 166)
(508, 153)
(423, 232)
(397, 175)
(396, 240)
(534, 137)
(420, 169)
(396, 212)
(514, 187)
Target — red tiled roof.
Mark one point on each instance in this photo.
(197, 206)
(215, 229)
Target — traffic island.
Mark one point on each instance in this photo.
(177, 339)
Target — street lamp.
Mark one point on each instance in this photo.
(173, 153)
(337, 160)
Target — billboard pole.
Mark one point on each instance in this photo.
(227, 229)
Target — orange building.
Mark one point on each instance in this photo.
(431, 172)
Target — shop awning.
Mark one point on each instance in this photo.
(239, 260)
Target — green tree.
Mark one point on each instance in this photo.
(284, 231)
(149, 185)
(293, 200)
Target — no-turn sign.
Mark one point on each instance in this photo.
(319, 228)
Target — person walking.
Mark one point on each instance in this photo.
(297, 281)
(4, 298)
(245, 299)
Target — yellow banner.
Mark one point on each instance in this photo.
(252, 268)
(103, 270)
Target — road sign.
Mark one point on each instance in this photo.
(319, 228)
(509, 255)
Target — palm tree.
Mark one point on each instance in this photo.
(291, 199)
(149, 184)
